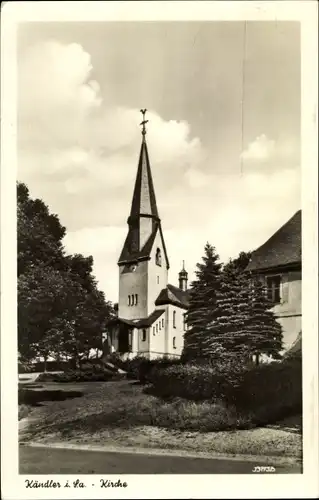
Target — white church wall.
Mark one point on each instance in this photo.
(158, 336)
(143, 342)
(157, 275)
(175, 330)
(133, 283)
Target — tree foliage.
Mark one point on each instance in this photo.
(203, 311)
(229, 315)
(61, 312)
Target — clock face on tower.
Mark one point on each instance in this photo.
(133, 268)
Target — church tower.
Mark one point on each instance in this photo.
(143, 263)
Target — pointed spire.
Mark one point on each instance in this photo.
(144, 201)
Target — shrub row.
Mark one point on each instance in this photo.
(139, 368)
(87, 373)
(267, 392)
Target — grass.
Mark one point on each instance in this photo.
(120, 413)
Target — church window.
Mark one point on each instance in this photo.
(174, 342)
(143, 335)
(136, 299)
(129, 300)
(174, 319)
(130, 340)
(153, 330)
(156, 327)
(158, 258)
(163, 322)
(132, 300)
(160, 326)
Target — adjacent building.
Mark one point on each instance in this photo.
(151, 312)
(278, 263)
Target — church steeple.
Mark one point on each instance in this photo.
(143, 220)
(183, 278)
(144, 201)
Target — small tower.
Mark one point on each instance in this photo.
(183, 278)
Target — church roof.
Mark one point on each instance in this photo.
(130, 251)
(173, 295)
(140, 323)
(282, 249)
(143, 205)
(144, 201)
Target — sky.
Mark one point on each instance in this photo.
(224, 172)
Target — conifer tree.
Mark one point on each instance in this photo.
(263, 330)
(202, 307)
(233, 312)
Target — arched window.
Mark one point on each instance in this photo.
(174, 342)
(174, 319)
(156, 327)
(132, 300)
(158, 258)
(129, 300)
(136, 299)
(153, 330)
(163, 322)
(143, 335)
(160, 325)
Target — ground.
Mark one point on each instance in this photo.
(111, 414)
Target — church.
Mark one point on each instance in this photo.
(150, 319)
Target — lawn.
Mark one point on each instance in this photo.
(121, 414)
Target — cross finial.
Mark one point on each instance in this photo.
(143, 122)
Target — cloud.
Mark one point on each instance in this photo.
(266, 151)
(79, 153)
(260, 149)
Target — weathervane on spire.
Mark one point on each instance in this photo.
(143, 122)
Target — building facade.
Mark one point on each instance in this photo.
(278, 262)
(150, 319)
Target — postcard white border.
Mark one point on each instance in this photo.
(168, 486)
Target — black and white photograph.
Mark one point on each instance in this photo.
(160, 228)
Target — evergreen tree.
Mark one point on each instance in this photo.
(245, 324)
(202, 307)
(263, 330)
(239, 264)
(233, 312)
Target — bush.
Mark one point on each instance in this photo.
(271, 392)
(87, 373)
(46, 377)
(264, 394)
(192, 382)
(149, 368)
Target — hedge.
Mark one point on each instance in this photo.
(271, 391)
(267, 392)
(87, 373)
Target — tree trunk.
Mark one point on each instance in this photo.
(45, 364)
